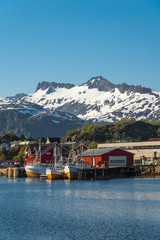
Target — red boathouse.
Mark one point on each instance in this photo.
(113, 157)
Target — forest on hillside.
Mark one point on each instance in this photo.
(91, 134)
(125, 130)
(15, 154)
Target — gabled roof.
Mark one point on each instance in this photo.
(99, 152)
(79, 145)
(68, 145)
(32, 146)
(96, 152)
(47, 147)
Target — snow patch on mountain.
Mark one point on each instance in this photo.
(89, 102)
(54, 121)
(97, 99)
(25, 112)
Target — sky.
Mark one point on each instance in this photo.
(75, 40)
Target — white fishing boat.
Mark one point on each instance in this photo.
(54, 173)
(35, 170)
(72, 167)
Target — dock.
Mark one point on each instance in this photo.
(93, 173)
(12, 172)
(106, 173)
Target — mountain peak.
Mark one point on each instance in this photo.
(102, 84)
(52, 85)
(96, 100)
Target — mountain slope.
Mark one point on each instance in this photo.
(34, 121)
(98, 100)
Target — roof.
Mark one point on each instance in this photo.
(80, 145)
(99, 152)
(68, 145)
(96, 152)
(129, 144)
(32, 146)
(47, 147)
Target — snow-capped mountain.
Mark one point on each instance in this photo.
(98, 100)
(33, 120)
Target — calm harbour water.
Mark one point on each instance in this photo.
(113, 209)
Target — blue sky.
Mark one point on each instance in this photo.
(74, 40)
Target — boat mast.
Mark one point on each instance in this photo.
(40, 148)
(73, 157)
(55, 156)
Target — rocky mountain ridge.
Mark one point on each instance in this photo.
(98, 100)
(55, 108)
(103, 84)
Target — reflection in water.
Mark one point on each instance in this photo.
(116, 195)
(115, 209)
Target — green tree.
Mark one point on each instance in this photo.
(93, 145)
(11, 153)
(116, 135)
(22, 137)
(20, 155)
(2, 157)
(138, 139)
(158, 131)
(3, 154)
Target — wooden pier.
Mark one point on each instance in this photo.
(106, 173)
(12, 172)
(94, 173)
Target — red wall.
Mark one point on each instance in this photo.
(31, 160)
(120, 152)
(80, 148)
(88, 159)
(47, 157)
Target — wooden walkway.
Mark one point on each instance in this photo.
(106, 173)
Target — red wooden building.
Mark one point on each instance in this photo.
(113, 157)
(46, 154)
(80, 149)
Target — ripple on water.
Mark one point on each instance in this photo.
(115, 209)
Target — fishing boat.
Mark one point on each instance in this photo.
(35, 170)
(56, 171)
(71, 171)
(72, 167)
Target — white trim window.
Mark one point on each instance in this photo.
(117, 161)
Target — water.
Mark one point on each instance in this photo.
(113, 209)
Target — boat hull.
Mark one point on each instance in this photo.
(35, 171)
(71, 172)
(71, 175)
(32, 174)
(53, 174)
